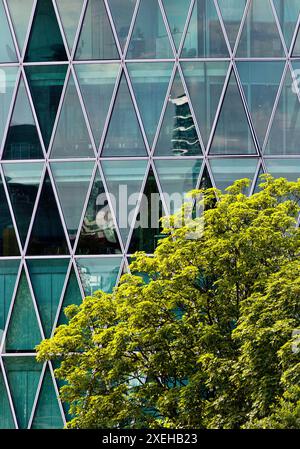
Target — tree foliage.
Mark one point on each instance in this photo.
(200, 334)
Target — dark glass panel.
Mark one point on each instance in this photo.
(6, 418)
(8, 275)
(8, 241)
(72, 297)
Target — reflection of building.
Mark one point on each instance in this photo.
(185, 138)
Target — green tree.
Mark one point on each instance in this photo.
(200, 334)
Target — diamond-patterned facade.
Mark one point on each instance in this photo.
(157, 95)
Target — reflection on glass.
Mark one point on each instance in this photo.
(99, 274)
(178, 135)
(232, 134)
(70, 14)
(176, 11)
(20, 11)
(284, 135)
(72, 297)
(149, 38)
(260, 36)
(287, 13)
(7, 48)
(98, 234)
(8, 276)
(122, 11)
(204, 36)
(96, 40)
(8, 240)
(8, 77)
(232, 12)
(284, 168)
(23, 181)
(22, 141)
(226, 171)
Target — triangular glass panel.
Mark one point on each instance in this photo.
(258, 181)
(284, 135)
(287, 13)
(205, 182)
(122, 12)
(97, 82)
(205, 83)
(124, 181)
(46, 84)
(72, 181)
(72, 297)
(260, 36)
(177, 177)
(296, 50)
(23, 374)
(8, 275)
(71, 136)
(70, 13)
(204, 38)
(176, 12)
(98, 234)
(284, 168)
(8, 76)
(178, 135)
(99, 274)
(8, 240)
(45, 40)
(22, 141)
(47, 236)
(47, 279)
(232, 134)
(150, 82)
(226, 171)
(23, 332)
(47, 413)
(96, 40)
(149, 38)
(124, 121)
(23, 182)
(232, 13)
(260, 81)
(6, 418)
(147, 229)
(20, 13)
(7, 48)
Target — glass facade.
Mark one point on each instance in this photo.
(157, 96)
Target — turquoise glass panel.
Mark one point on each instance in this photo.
(47, 413)
(260, 81)
(147, 229)
(149, 38)
(296, 50)
(226, 171)
(97, 82)
(124, 136)
(70, 12)
(176, 11)
(287, 13)
(124, 181)
(20, 336)
(22, 141)
(46, 84)
(8, 241)
(8, 275)
(177, 177)
(96, 40)
(284, 135)
(7, 48)
(98, 234)
(98, 274)
(232, 134)
(45, 41)
(205, 182)
(284, 168)
(23, 181)
(47, 279)
(205, 83)
(178, 134)
(71, 136)
(8, 76)
(204, 38)
(260, 36)
(6, 418)
(150, 82)
(72, 297)
(20, 12)
(23, 374)
(122, 12)
(232, 12)
(72, 181)
(47, 237)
